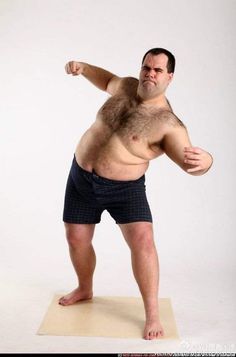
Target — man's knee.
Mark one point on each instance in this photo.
(77, 234)
(139, 235)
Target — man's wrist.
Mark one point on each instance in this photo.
(84, 67)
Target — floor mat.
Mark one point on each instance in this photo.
(104, 316)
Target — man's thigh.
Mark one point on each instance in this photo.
(79, 232)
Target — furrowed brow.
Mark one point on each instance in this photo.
(158, 69)
(146, 67)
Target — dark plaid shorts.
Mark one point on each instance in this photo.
(88, 195)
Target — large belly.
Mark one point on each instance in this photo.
(112, 156)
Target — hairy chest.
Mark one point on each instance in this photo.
(127, 117)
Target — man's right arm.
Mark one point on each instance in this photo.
(100, 77)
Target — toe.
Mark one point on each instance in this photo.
(151, 334)
(160, 334)
(62, 301)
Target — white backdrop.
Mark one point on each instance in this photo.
(44, 112)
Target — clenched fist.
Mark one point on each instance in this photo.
(74, 68)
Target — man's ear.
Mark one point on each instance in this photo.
(171, 75)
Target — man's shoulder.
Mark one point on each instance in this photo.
(130, 81)
(129, 85)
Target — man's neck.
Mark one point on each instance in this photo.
(159, 101)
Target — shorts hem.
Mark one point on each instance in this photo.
(79, 222)
(135, 220)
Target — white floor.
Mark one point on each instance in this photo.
(34, 268)
(203, 303)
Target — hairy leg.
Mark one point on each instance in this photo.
(139, 237)
(79, 238)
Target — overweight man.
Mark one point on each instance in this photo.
(135, 125)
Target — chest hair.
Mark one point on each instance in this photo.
(127, 116)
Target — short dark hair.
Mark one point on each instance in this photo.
(171, 57)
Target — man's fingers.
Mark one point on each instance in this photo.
(194, 150)
(191, 156)
(67, 68)
(73, 68)
(192, 162)
(198, 158)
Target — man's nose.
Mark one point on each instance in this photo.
(151, 73)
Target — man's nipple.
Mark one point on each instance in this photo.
(135, 137)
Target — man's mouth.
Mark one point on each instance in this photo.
(148, 81)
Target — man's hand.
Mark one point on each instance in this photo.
(200, 159)
(74, 68)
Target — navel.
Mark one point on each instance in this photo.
(135, 137)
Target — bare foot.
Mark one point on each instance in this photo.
(74, 296)
(153, 330)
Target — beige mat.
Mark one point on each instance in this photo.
(121, 317)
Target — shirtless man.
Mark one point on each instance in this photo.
(135, 125)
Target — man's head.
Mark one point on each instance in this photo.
(171, 57)
(156, 73)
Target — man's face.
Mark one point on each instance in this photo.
(153, 77)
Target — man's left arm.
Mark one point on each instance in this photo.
(176, 144)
